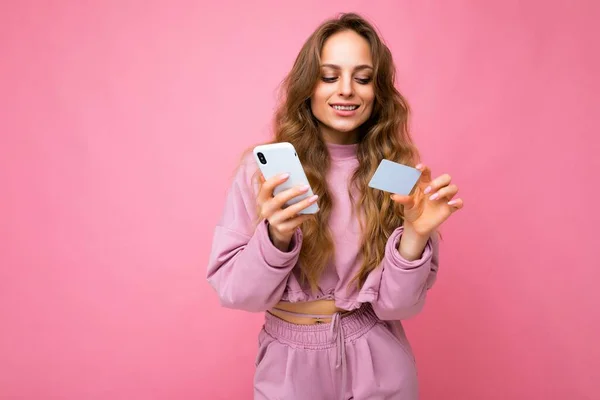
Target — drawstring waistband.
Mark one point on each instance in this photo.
(342, 328)
(337, 332)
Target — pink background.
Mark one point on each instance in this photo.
(121, 123)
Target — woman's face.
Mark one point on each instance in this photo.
(343, 98)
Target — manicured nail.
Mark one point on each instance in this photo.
(284, 176)
(304, 188)
(452, 202)
(419, 166)
(434, 196)
(428, 189)
(313, 198)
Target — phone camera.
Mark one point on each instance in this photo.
(261, 158)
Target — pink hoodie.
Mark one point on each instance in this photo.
(250, 273)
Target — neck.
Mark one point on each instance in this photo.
(337, 137)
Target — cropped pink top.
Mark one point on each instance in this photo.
(248, 272)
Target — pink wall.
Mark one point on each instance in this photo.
(122, 121)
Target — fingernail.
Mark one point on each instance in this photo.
(284, 176)
(419, 166)
(428, 189)
(451, 202)
(434, 196)
(313, 198)
(304, 188)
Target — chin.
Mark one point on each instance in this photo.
(345, 128)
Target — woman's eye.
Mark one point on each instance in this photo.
(331, 79)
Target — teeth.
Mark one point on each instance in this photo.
(345, 108)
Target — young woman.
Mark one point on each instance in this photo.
(334, 286)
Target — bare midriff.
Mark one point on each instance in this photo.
(317, 312)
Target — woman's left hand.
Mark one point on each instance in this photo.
(426, 210)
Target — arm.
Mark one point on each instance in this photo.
(401, 284)
(246, 270)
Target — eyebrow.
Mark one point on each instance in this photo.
(357, 68)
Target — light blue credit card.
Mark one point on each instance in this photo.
(395, 178)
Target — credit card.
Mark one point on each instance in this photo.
(395, 178)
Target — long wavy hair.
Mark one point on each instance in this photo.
(384, 135)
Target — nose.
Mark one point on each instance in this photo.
(346, 89)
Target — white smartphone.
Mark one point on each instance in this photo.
(280, 158)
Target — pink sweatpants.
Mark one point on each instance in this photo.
(357, 357)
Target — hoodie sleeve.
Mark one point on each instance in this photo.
(401, 285)
(246, 270)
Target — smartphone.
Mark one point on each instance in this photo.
(279, 158)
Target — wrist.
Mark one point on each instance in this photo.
(282, 244)
(412, 244)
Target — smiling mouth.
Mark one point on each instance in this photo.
(344, 108)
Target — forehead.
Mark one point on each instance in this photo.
(346, 49)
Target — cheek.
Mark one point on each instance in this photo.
(368, 96)
(318, 102)
(320, 96)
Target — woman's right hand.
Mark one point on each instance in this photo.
(282, 222)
